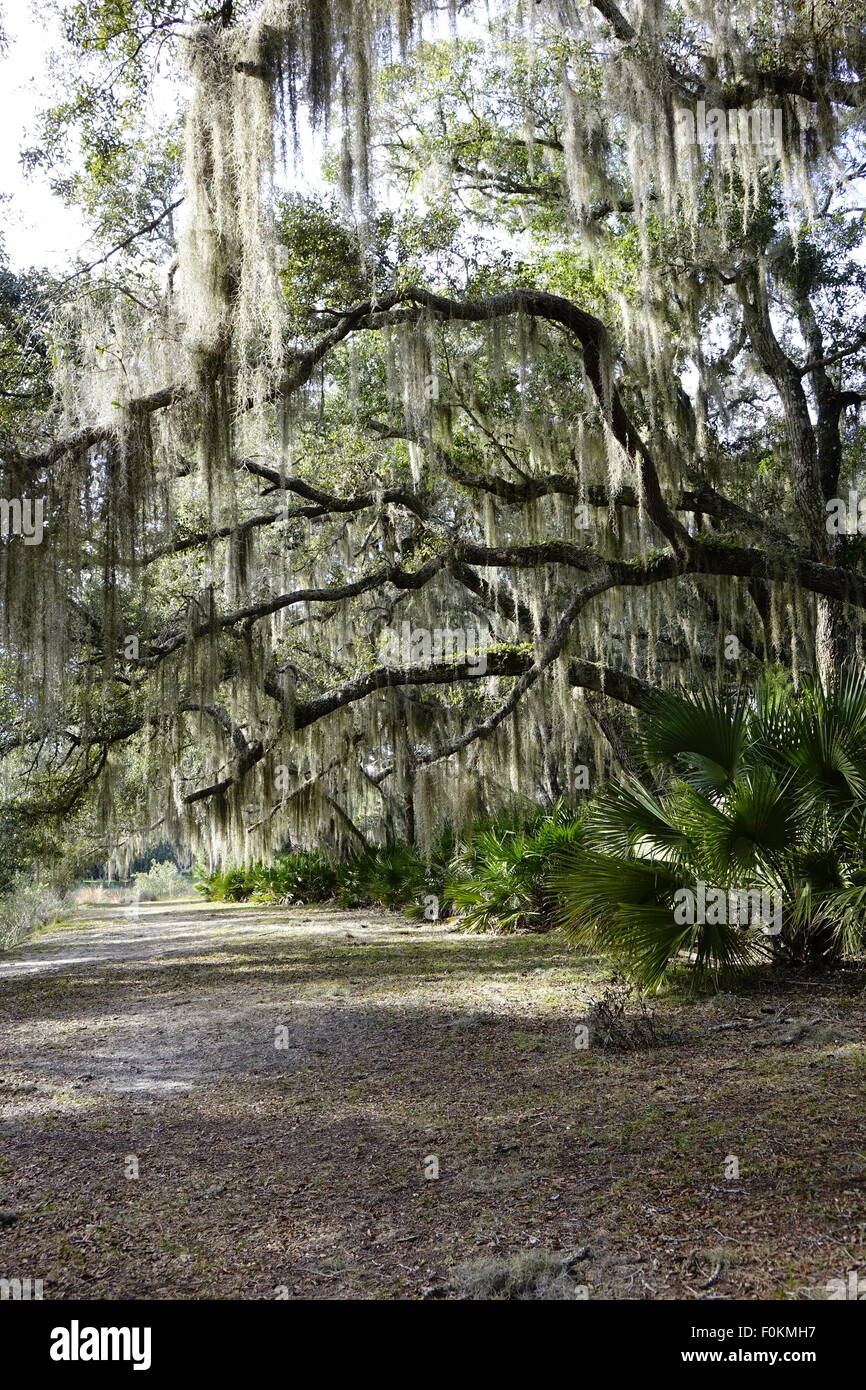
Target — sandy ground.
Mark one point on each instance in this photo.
(240, 1102)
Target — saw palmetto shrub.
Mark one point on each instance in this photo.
(496, 880)
(755, 802)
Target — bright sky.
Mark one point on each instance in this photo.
(37, 228)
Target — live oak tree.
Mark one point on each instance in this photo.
(542, 324)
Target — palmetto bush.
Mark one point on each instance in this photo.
(496, 880)
(399, 876)
(292, 878)
(763, 792)
(308, 877)
(387, 875)
(390, 876)
(226, 886)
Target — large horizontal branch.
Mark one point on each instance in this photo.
(599, 679)
(800, 83)
(705, 556)
(389, 574)
(298, 372)
(703, 499)
(590, 332)
(505, 662)
(592, 335)
(709, 558)
(240, 528)
(331, 502)
(382, 678)
(603, 680)
(528, 678)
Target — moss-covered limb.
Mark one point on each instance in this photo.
(297, 371)
(506, 663)
(782, 81)
(705, 500)
(621, 686)
(329, 503)
(326, 505)
(526, 680)
(787, 378)
(621, 27)
(583, 412)
(706, 556)
(593, 338)
(517, 662)
(498, 663)
(589, 330)
(600, 679)
(710, 556)
(391, 574)
(203, 538)
(252, 754)
(702, 498)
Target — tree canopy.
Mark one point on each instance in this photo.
(452, 379)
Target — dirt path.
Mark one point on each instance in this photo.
(282, 1081)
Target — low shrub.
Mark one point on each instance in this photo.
(160, 881)
(497, 878)
(29, 903)
(307, 876)
(750, 845)
(398, 877)
(494, 881)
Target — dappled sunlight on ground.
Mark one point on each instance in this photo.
(282, 1076)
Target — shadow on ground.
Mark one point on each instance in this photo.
(347, 1105)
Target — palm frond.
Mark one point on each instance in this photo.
(704, 737)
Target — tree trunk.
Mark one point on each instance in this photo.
(833, 639)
